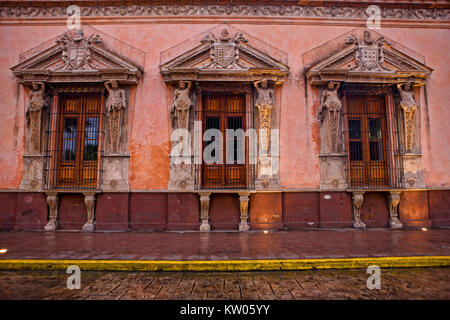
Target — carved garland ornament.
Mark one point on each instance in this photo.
(306, 11)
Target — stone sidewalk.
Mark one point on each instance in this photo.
(308, 244)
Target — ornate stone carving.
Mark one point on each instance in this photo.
(243, 204)
(331, 104)
(89, 200)
(76, 53)
(204, 212)
(52, 200)
(369, 54)
(334, 12)
(224, 51)
(394, 199)
(358, 199)
(265, 103)
(181, 105)
(34, 115)
(115, 107)
(409, 106)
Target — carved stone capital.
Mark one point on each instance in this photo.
(204, 211)
(89, 200)
(394, 200)
(243, 204)
(53, 201)
(358, 198)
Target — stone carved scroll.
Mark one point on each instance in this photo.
(34, 115)
(409, 106)
(330, 109)
(115, 107)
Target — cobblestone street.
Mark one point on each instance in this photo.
(415, 283)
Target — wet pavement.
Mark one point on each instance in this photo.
(414, 283)
(342, 243)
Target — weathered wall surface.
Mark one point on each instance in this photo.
(150, 129)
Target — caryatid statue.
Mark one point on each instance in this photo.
(330, 102)
(115, 106)
(181, 104)
(34, 114)
(409, 106)
(265, 103)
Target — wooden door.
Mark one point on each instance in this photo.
(366, 140)
(224, 112)
(78, 137)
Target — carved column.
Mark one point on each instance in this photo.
(333, 160)
(267, 162)
(243, 204)
(204, 212)
(394, 199)
(358, 199)
(53, 201)
(181, 157)
(89, 200)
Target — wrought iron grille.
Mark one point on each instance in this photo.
(74, 134)
(225, 111)
(372, 136)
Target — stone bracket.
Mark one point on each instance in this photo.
(358, 198)
(53, 203)
(89, 200)
(243, 205)
(394, 200)
(204, 211)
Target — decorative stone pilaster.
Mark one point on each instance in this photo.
(394, 199)
(89, 200)
(333, 160)
(115, 172)
(412, 171)
(358, 199)
(243, 204)
(33, 172)
(181, 159)
(204, 212)
(53, 201)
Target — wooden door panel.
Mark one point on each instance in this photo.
(224, 111)
(77, 145)
(366, 140)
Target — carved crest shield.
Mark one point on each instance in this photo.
(77, 55)
(224, 54)
(369, 56)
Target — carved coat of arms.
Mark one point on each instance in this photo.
(224, 51)
(369, 55)
(76, 53)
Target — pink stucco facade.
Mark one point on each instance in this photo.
(143, 40)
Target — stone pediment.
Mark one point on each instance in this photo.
(74, 57)
(224, 54)
(367, 56)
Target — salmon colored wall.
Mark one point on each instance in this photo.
(149, 140)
